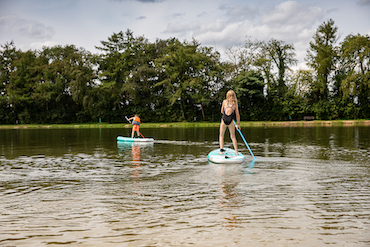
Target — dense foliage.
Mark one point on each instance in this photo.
(170, 80)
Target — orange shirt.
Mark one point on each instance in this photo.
(136, 121)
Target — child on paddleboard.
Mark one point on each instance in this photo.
(135, 125)
(229, 110)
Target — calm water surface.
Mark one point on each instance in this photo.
(79, 187)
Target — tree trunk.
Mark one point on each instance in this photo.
(201, 106)
(182, 111)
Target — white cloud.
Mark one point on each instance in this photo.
(364, 2)
(142, 1)
(218, 23)
(292, 13)
(12, 25)
(240, 13)
(178, 14)
(182, 28)
(37, 45)
(290, 21)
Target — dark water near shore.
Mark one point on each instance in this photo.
(310, 186)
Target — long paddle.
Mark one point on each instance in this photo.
(244, 141)
(131, 123)
(141, 134)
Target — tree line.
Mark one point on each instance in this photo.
(169, 80)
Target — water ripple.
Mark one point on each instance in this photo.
(167, 194)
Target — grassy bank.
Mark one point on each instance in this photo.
(191, 124)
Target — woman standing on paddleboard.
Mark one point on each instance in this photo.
(229, 109)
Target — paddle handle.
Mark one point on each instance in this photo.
(244, 140)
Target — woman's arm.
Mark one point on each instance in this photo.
(222, 107)
(237, 116)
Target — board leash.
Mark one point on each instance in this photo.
(244, 140)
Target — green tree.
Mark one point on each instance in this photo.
(268, 57)
(208, 76)
(283, 56)
(125, 69)
(187, 71)
(256, 53)
(296, 105)
(143, 97)
(63, 88)
(51, 90)
(322, 57)
(354, 86)
(21, 86)
(249, 90)
(8, 55)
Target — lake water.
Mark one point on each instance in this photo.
(309, 186)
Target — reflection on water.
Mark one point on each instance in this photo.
(308, 187)
(135, 148)
(231, 197)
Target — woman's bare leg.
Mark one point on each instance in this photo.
(222, 134)
(233, 137)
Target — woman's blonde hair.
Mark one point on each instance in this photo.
(231, 97)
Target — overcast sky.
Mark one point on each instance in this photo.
(217, 23)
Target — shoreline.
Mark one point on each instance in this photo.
(313, 123)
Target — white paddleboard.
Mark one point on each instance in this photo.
(228, 156)
(129, 139)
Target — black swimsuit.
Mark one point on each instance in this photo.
(228, 118)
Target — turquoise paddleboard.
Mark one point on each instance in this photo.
(228, 156)
(129, 139)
